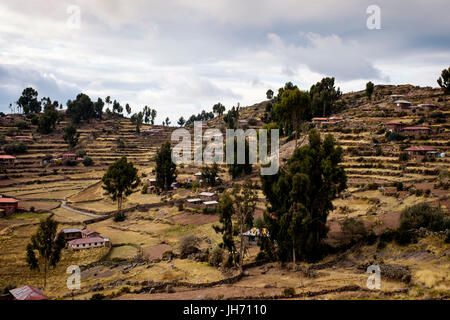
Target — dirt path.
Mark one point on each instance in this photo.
(65, 206)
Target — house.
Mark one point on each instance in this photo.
(7, 161)
(87, 243)
(86, 233)
(175, 185)
(194, 203)
(198, 176)
(335, 119)
(319, 120)
(394, 126)
(9, 206)
(416, 132)
(402, 105)
(71, 233)
(208, 196)
(428, 106)
(28, 293)
(210, 205)
(70, 156)
(23, 138)
(421, 152)
(255, 232)
(152, 182)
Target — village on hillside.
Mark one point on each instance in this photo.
(363, 181)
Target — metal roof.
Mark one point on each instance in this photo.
(28, 293)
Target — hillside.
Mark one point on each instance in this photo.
(144, 262)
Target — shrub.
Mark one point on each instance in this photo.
(81, 153)
(87, 161)
(98, 296)
(32, 209)
(288, 292)
(180, 206)
(398, 185)
(405, 237)
(403, 156)
(381, 245)
(70, 162)
(353, 230)
(144, 188)
(261, 256)
(216, 257)
(15, 148)
(387, 236)
(119, 216)
(188, 245)
(425, 216)
(372, 186)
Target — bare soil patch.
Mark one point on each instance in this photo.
(156, 252)
(195, 219)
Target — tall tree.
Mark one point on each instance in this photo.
(120, 180)
(166, 169)
(47, 244)
(444, 80)
(181, 121)
(47, 120)
(82, 108)
(323, 97)
(369, 89)
(245, 198)
(98, 108)
(269, 94)
(225, 209)
(219, 108)
(293, 107)
(153, 116)
(167, 121)
(71, 136)
(300, 197)
(108, 101)
(128, 108)
(28, 101)
(209, 174)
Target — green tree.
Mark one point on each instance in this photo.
(269, 94)
(128, 108)
(292, 107)
(137, 120)
(47, 120)
(166, 169)
(369, 89)
(225, 209)
(219, 108)
(323, 97)
(28, 101)
(300, 197)
(444, 80)
(48, 244)
(153, 116)
(235, 169)
(98, 108)
(71, 136)
(209, 174)
(82, 108)
(120, 180)
(245, 199)
(108, 101)
(181, 121)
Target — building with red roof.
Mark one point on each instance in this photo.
(9, 206)
(86, 233)
(422, 151)
(28, 293)
(7, 161)
(416, 131)
(394, 126)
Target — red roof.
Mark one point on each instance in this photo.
(86, 240)
(88, 232)
(416, 128)
(28, 293)
(394, 122)
(320, 119)
(8, 200)
(6, 157)
(424, 148)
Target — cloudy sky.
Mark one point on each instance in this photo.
(182, 56)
